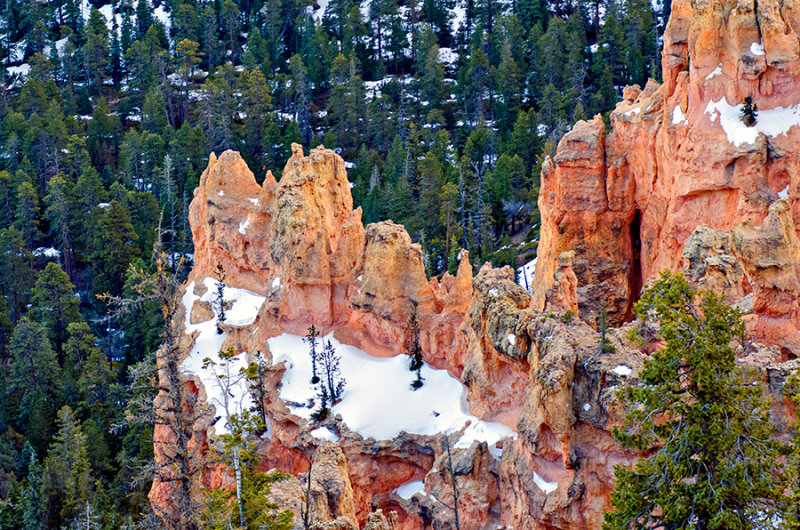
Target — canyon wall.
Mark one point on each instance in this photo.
(676, 182)
(678, 156)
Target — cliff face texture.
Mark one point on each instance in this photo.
(678, 182)
(678, 156)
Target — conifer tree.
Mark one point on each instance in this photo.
(749, 112)
(219, 297)
(96, 50)
(67, 469)
(702, 421)
(53, 304)
(311, 338)
(414, 349)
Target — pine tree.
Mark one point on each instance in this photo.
(27, 216)
(331, 384)
(67, 469)
(96, 50)
(53, 304)
(115, 249)
(311, 338)
(35, 384)
(219, 297)
(702, 421)
(414, 348)
(59, 201)
(144, 18)
(16, 275)
(749, 112)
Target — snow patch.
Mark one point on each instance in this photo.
(586, 407)
(324, 433)
(772, 122)
(622, 370)
(47, 252)
(254, 201)
(678, 116)
(715, 72)
(784, 193)
(22, 70)
(276, 283)
(243, 226)
(512, 339)
(243, 310)
(378, 401)
(448, 56)
(408, 490)
(526, 274)
(221, 193)
(542, 484)
(757, 48)
(634, 111)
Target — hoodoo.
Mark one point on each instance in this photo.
(675, 181)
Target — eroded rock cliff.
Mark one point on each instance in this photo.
(677, 182)
(678, 156)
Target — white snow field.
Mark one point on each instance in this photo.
(526, 274)
(771, 122)
(243, 310)
(378, 401)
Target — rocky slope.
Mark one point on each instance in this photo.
(678, 183)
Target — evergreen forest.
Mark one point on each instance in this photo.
(443, 111)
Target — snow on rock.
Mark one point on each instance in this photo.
(448, 56)
(757, 48)
(459, 13)
(784, 193)
(586, 407)
(276, 283)
(678, 116)
(221, 193)
(244, 308)
(542, 484)
(21, 70)
(162, 16)
(485, 431)
(243, 226)
(512, 339)
(47, 252)
(715, 72)
(622, 370)
(254, 201)
(408, 490)
(324, 433)
(634, 111)
(526, 273)
(772, 122)
(378, 401)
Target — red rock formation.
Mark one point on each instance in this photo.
(677, 183)
(626, 202)
(770, 255)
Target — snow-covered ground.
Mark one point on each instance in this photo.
(525, 274)
(243, 310)
(772, 122)
(378, 401)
